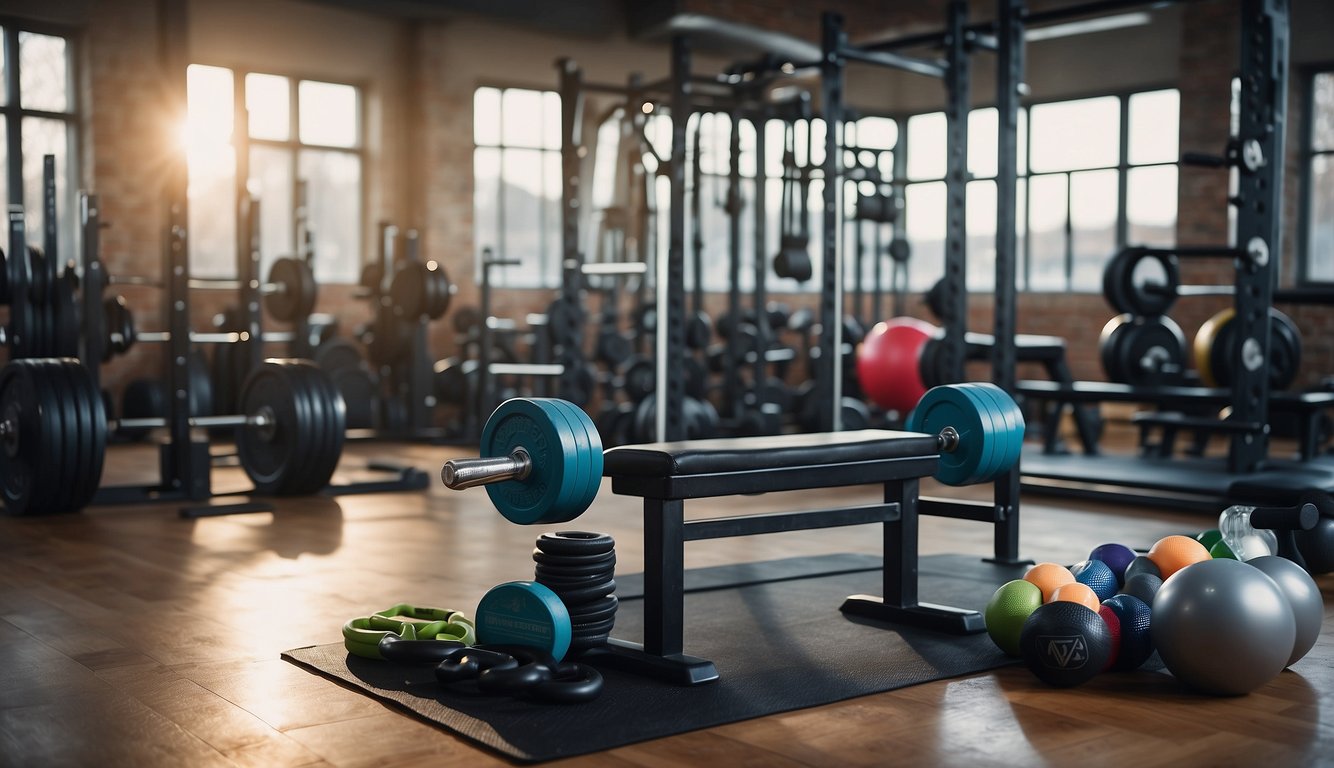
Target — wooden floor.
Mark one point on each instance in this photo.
(129, 636)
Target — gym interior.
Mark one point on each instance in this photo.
(360, 357)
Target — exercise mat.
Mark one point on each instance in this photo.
(779, 642)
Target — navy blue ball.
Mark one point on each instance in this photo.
(1144, 586)
(1136, 640)
(1097, 576)
(1065, 644)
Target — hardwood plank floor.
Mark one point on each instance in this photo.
(129, 636)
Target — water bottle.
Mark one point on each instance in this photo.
(1249, 531)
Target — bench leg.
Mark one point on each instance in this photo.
(661, 656)
(899, 604)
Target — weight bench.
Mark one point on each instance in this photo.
(665, 475)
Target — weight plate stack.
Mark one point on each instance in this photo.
(580, 567)
(299, 290)
(297, 450)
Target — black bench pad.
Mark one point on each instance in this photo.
(776, 452)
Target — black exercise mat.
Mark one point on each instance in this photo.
(779, 645)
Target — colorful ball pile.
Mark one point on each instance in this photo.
(1221, 626)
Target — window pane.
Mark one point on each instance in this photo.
(522, 114)
(268, 100)
(926, 146)
(47, 137)
(551, 224)
(926, 231)
(1154, 133)
(4, 77)
(608, 169)
(486, 117)
(521, 201)
(1021, 131)
(328, 114)
(1093, 226)
(1046, 232)
(486, 188)
(551, 119)
(43, 72)
(1322, 130)
(1320, 243)
(1068, 135)
(877, 133)
(1151, 205)
(212, 163)
(982, 141)
(4, 163)
(271, 181)
(333, 201)
(981, 239)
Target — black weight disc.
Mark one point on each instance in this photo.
(87, 400)
(408, 290)
(1109, 342)
(299, 290)
(141, 399)
(561, 580)
(337, 354)
(542, 558)
(61, 396)
(372, 275)
(855, 414)
(1151, 352)
(597, 610)
(640, 379)
(68, 326)
(329, 452)
(576, 571)
(359, 391)
(274, 455)
(455, 380)
(21, 446)
(698, 330)
(575, 543)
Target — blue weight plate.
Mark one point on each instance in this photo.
(949, 406)
(1003, 419)
(578, 416)
(984, 444)
(550, 444)
(1013, 438)
(568, 508)
(524, 613)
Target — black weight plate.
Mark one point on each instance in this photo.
(359, 391)
(272, 456)
(543, 558)
(697, 378)
(777, 392)
(455, 380)
(372, 275)
(391, 338)
(201, 385)
(1145, 302)
(597, 610)
(698, 331)
(38, 278)
(331, 452)
(62, 436)
(563, 581)
(337, 354)
(640, 379)
(119, 322)
(299, 290)
(314, 430)
(467, 320)
(93, 415)
(327, 425)
(855, 414)
(21, 451)
(576, 543)
(570, 570)
(442, 293)
(613, 348)
(408, 290)
(1109, 341)
(1115, 281)
(1151, 352)
(583, 594)
(1285, 350)
(72, 432)
(141, 399)
(68, 327)
(592, 628)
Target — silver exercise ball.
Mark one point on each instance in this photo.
(1308, 607)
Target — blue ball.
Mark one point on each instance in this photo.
(1116, 556)
(1097, 576)
(1136, 641)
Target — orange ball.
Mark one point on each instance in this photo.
(1049, 576)
(1172, 553)
(1077, 593)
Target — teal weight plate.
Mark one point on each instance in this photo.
(524, 613)
(551, 446)
(1013, 438)
(568, 507)
(952, 406)
(1002, 417)
(579, 418)
(984, 443)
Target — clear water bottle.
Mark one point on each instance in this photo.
(1245, 540)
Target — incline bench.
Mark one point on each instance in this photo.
(665, 475)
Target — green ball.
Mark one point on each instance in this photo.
(1220, 550)
(1007, 610)
(1209, 538)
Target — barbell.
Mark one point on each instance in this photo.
(1143, 351)
(54, 427)
(541, 458)
(289, 293)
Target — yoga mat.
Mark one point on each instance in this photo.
(778, 640)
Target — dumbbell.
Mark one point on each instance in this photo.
(541, 461)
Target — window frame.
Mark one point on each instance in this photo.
(294, 145)
(550, 252)
(1306, 158)
(13, 112)
(1122, 167)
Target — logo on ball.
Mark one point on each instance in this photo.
(1064, 651)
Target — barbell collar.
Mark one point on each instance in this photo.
(460, 474)
(948, 440)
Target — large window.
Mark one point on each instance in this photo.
(305, 166)
(517, 183)
(1094, 175)
(1318, 235)
(37, 100)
